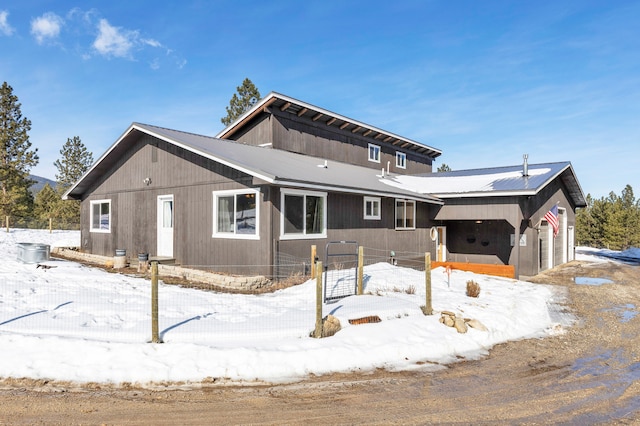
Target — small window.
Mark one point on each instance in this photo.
(374, 153)
(235, 214)
(304, 215)
(405, 214)
(372, 208)
(401, 160)
(100, 216)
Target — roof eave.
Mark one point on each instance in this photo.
(273, 96)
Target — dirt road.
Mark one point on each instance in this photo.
(590, 374)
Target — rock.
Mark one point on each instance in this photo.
(448, 321)
(474, 323)
(460, 325)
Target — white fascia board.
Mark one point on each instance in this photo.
(65, 196)
(235, 166)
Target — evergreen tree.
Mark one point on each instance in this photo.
(247, 96)
(444, 168)
(47, 203)
(16, 156)
(75, 161)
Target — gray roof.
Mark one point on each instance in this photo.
(283, 168)
(272, 166)
(496, 181)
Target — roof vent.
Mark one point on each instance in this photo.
(525, 165)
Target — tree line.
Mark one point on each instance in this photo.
(17, 157)
(611, 222)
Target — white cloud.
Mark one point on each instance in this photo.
(46, 26)
(5, 28)
(113, 41)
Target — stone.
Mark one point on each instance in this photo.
(474, 323)
(460, 325)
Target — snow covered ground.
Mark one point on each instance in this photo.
(81, 324)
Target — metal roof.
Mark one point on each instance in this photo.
(320, 115)
(276, 167)
(496, 181)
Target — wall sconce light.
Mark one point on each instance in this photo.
(147, 181)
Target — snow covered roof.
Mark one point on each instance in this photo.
(272, 166)
(320, 115)
(497, 181)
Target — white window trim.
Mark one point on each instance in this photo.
(372, 200)
(405, 228)
(401, 164)
(98, 230)
(233, 235)
(304, 235)
(377, 150)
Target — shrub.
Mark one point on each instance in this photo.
(473, 289)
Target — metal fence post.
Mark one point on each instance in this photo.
(155, 334)
(317, 333)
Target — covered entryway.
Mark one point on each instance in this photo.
(165, 226)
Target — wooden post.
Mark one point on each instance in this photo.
(360, 270)
(428, 308)
(50, 225)
(155, 335)
(314, 253)
(317, 333)
(7, 223)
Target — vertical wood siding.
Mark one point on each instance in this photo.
(302, 135)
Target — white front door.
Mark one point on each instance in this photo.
(165, 225)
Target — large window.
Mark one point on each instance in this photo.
(236, 214)
(405, 214)
(401, 160)
(304, 214)
(372, 208)
(374, 153)
(100, 216)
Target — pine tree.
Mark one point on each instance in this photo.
(444, 168)
(16, 156)
(75, 161)
(47, 203)
(246, 97)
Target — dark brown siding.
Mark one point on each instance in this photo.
(480, 230)
(302, 135)
(191, 180)
(378, 237)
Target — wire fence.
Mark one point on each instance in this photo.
(68, 299)
(50, 224)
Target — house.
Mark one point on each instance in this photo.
(288, 175)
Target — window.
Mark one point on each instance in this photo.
(304, 214)
(374, 153)
(236, 214)
(401, 160)
(405, 214)
(372, 208)
(100, 216)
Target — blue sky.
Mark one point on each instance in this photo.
(483, 81)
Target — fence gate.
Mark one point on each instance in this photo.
(340, 270)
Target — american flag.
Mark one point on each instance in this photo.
(552, 218)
